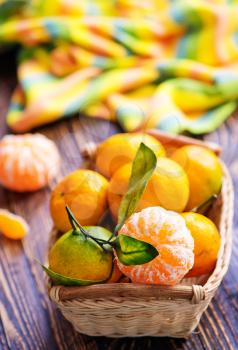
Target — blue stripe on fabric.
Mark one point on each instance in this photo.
(225, 77)
(181, 48)
(172, 123)
(14, 106)
(122, 37)
(235, 38)
(75, 106)
(56, 29)
(100, 61)
(36, 79)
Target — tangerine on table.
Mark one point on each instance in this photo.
(168, 187)
(120, 149)
(167, 231)
(85, 192)
(204, 173)
(27, 162)
(12, 226)
(206, 243)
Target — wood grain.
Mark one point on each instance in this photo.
(28, 319)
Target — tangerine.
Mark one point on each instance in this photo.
(204, 173)
(77, 257)
(206, 243)
(85, 192)
(168, 187)
(116, 273)
(120, 149)
(27, 162)
(12, 226)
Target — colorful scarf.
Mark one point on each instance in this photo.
(162, 64)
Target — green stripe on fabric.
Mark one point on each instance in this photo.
(212, 119)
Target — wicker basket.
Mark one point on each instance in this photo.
(126, 309)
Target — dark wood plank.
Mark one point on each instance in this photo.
(28, 319)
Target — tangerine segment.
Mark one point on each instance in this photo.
(27, 162)
(121, 149)
(206, 243)
(167, 231)
(168, 187)
(12, 226)
(85, 192)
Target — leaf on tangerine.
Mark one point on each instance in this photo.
(131, 251)
(143, 167)
(59, 279)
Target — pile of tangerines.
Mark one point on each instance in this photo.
(170, 238)
(167, 215)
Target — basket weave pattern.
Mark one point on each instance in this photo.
(126, 309)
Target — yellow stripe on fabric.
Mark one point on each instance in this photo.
(135, 46)
(50, 105)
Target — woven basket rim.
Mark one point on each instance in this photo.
(195, 293)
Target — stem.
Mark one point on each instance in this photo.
(112, 239)
(72, 219)
(117, 228)
(76, 226)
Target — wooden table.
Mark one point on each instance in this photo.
(28, 319)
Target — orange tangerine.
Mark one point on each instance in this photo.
(204, 173)
(167, 231)
(168, 187)
(116, 273)
(27, 162)
(85, 192)
(206, 243)
(120, 149)
(12, 226)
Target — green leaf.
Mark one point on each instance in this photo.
(131, 251)
(143, 167)
(59, 279)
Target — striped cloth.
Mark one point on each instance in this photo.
(162, 64)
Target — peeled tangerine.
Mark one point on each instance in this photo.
(167, 231)
(168, 187)
(27, 162)
(121, 149)
(12, 226)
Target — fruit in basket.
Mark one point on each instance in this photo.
(116, 273)
(84, 255)
(167, 231)
(77, 257)
(27, 162)
(204, 173)
(168, 187)
(121, 149)
(206, 243)
(84, 191)
(12, 226)
(73, 246)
